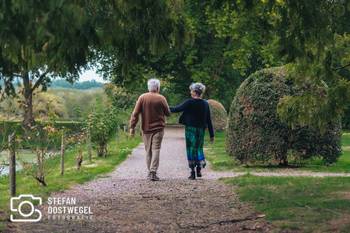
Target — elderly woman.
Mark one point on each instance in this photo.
(196, 118)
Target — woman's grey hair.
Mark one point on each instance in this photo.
(153, 84)
(199, 88)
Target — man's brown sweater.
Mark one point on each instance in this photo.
(153, 108)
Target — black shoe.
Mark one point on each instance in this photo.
(199, 174)
(154, 176)
(192, 176)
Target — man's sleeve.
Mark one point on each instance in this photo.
(135, 114)
(166, 108)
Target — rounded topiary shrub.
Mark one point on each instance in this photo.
(255, 132)
(218, 115)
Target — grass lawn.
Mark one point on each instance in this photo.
(220, 160)
(118, 152)
(299, 204)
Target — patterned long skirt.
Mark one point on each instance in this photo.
(194, 146)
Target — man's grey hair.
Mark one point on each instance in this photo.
(199, 88)
(153, 84)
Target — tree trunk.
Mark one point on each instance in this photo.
(284, 162)
(79, 159)
(102, 150)
(40, 176)
(28, 118)
(12, 164)
(89, 145)
(62, 154)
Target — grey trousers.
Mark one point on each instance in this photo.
(153, 143)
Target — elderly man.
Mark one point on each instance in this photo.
(153, 108)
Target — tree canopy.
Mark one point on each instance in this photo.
(40, 41)
(312, 36)
(219, 43)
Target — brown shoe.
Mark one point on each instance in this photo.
(154, 176)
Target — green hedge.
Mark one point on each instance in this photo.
(255, 132)
(218, 115)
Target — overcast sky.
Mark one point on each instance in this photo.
(91, 75)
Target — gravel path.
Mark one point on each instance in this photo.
(124, 201)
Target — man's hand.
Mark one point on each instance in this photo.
(212, 140)
(132, 132)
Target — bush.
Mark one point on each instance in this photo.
(218, 115)
(102, 124)
(255, 132)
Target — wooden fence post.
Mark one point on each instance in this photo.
(12, 163)
(89, 145)
(62, 153)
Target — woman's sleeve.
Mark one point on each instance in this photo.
(181, 107)
(210, 124)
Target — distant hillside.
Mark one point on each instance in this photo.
(59, 83)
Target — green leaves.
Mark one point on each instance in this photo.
(257, 133)
(102, 124)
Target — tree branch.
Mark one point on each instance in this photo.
(41, 78)
(342, 67)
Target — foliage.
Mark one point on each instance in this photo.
(122, 100)
(120, 97)
(226, 41)
(201, 57)
(346, 119)
(218, 115)
(102, 125)
(256, 133)
(313, 36)
(69, 104)
(78, 103)
(41, 41)
(43, 104)
(10, 108)
(39, 138)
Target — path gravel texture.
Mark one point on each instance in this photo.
(125, 201)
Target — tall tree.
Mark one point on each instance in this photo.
(195, 54)
(308, 36)
(42, 40)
